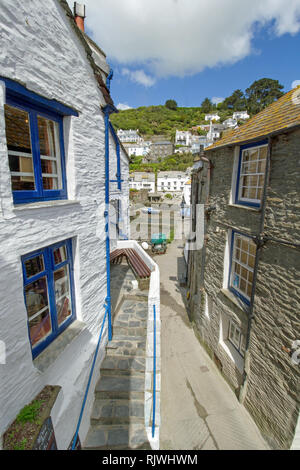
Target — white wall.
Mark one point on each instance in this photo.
(40, 49)
(176, 184)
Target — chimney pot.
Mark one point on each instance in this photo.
(79, 14)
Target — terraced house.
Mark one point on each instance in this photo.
(244, 283)
(61, 165)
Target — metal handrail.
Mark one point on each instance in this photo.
(154, 370)
(89, 381)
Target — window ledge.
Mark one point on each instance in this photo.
(51, 353)
(44, 204)
(236, 301)
(234, 355)
(249, 208)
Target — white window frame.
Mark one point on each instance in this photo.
(241, 174)
(234, 260)
(234, 329)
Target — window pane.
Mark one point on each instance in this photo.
(242, 267)
(37, 310)
(62, 294)
(34, 266)
(253, 155)
(50, 153)
(252, 173)
(263, 151)
(244, 258)
(252, 193)
(40, 327)
(36, 296)
(234, 334)
(243, 345)
(60, 255)
(19, 149)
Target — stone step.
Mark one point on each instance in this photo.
(132, 321)
(117, 412)
(126, 331)
(123, 437)
(128, 337)
(126, 347)
(128, 365)
(120, 387)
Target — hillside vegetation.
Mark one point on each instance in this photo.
(165, 119)
(160, 120)
(177, 162)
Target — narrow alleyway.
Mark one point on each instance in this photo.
(198, 408)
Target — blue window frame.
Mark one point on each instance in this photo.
(241, 268)
(117, 143)
(35, 143)
(251, 174)
(49, 293)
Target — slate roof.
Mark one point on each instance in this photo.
(142, 176)
(279, 116)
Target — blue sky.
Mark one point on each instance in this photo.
(278, 58)
(188, 50)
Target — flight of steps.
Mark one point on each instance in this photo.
(117, 420)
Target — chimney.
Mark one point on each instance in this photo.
(79, 14)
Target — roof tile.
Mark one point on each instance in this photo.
(280, 115)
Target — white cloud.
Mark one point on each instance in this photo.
(295, 83)
(179, 37)
(139, 76)
(123, 106)
(216, 100)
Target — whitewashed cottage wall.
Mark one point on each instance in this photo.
(40, 49)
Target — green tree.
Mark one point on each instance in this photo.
(262, 93)
(206, 106)
(171, 104)
(237, 101)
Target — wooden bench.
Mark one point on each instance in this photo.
(138, 266)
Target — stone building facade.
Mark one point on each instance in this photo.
(244, 283)
(53, 89)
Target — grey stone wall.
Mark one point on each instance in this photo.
(273, 387)
(271, 392)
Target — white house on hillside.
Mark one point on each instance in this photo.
(243, 115)
(142, 180)
(138, 150)
(230, 123)
(212, 117)
(60, 165)
(183, 138)
(171, 181)
(130, 135)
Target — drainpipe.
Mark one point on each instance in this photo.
(108, 109)
(109, 78)
(260, 243)
(106, 215)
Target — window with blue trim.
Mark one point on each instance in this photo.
(35, 152)
(243, 253)
(49, 293)
(251, 174)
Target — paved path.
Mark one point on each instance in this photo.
(198, 408)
